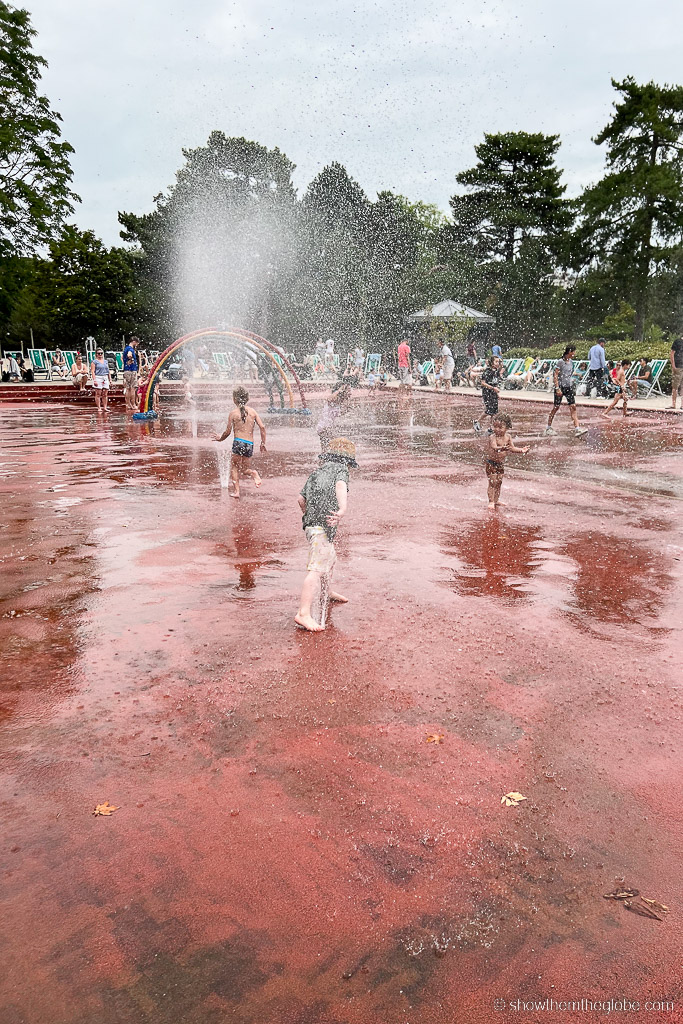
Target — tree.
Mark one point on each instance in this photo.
(35, 172)
(82, 289)
(213, 248)
(634, 215)
(515, 194)
(509, 233)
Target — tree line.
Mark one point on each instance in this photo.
(231, 241)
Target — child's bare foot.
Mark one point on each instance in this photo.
(499, 503)
(338, 597)
(257, 479)
(307, 622)
(234, 493)
(492, 505)
(604, 415)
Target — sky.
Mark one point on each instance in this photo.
(400, 93)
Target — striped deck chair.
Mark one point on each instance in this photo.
(41, 363)
(655, 387)
(373, 361)
(222, 362)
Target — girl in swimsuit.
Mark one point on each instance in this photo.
(241, 421)
(499, 444)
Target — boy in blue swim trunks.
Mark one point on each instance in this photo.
(241, 421)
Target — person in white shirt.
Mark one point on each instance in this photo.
(329, 354)
(447, 366)
(358, 360)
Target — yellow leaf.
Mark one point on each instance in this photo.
(105, 809)
(436, 737)
(512, 799)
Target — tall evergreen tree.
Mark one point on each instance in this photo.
(509, 232)
(514, 193)
(634, 215)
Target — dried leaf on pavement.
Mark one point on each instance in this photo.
(105, 809)
(436, 737)
(512, 799)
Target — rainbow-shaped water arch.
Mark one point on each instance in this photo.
(239, 338)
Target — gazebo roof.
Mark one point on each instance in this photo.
(449, 309)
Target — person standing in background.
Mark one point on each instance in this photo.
(404, 361)
(676, 360)
(130, 374)
(497, 351)
(597, 366)
(100, 376)
(329, 354)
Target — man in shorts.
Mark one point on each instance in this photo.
(130, 373)
(676, 360)
(564, 388)
(323, 503)
(490, 389)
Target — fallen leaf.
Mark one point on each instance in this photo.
(512, 799)
(105, 809)
(436, 737)
(331, 702)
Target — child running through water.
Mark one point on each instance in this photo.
(498, 445)
(622, 393)
(241, 420)
(323, 503)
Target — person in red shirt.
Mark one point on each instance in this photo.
(404, 360)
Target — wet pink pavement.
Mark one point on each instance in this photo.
(288, 846)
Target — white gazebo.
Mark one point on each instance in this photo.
(449, 309)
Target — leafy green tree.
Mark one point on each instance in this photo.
(35, 172)
(633, 217)
(82, 289)
(217, 241)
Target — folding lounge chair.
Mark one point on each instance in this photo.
(372, 362)
(657, 371)
(41, 363)
(222, 362)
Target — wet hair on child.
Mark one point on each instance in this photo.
(240, 397)
(502, 417)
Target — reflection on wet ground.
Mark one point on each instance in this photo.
(289, 846)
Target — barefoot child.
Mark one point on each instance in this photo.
(241, 420)
(323, 503)
(622, 393)
(499, 444)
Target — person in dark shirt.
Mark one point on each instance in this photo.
(642, 378)
(323, 501)
(490, 389)
(676, 360)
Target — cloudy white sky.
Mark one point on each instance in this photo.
(399, 92)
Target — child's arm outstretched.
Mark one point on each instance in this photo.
(341, 494)
(261, 426)
(512, 447)
(228, 430)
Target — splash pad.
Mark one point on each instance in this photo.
(236, 339)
